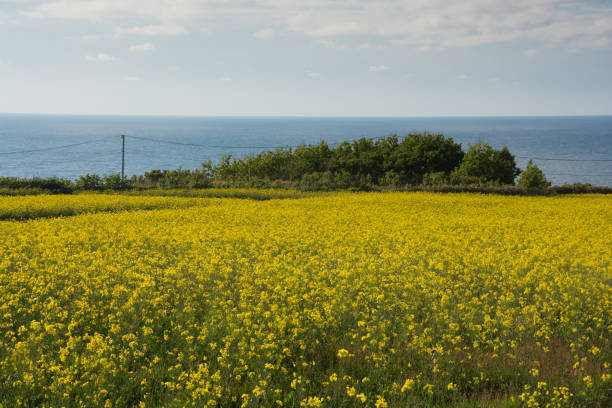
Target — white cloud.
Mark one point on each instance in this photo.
(101, 57)
(141, 47)
(131, 78)
(87, 37)
(422, 24)
(152, 30)
(264, 34)
(314, 74)
(373, 46)
(531, 52)
(462, 76)
(333, 45)
(227, 79)
(174, 68)
(112, 10)
(377, 68)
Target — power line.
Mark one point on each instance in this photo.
(44, 149)
(580, 175)
(206, 146)
(266, 147)
(234, 147)
(330, 144)
(569, 160)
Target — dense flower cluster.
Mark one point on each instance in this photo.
(39, 206)
(352, 300)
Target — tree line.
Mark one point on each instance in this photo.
(419, 159)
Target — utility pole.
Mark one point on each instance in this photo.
(122, 157)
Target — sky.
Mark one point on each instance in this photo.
(306, 57)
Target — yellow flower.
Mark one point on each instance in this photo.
(380, 402)
(408, 384)
(312, 402)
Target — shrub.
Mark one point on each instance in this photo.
(419, 154)
(49, 185)
(435, 179)
(359, 164)
(533, 177)
(317, 181)
(115, 182)
(90, 182)
(485, 165)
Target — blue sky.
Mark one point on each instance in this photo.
(306, 58)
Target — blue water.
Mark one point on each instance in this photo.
(574, 138)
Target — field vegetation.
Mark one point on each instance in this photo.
(40, 206)
(418, 161)
(334, 300)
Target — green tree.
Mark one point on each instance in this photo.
(419, 154)
(90, 182)
(533, 177)
(484, 164)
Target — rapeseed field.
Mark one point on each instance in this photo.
(40, 206)
(339, 300)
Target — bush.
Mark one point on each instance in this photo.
(50, 185)
(115, 182)
(359, 164)
(90, 182)
(435, 179)
(317, 181)
(580, 188)
(483, 164)
(420, 154)
(533, 177)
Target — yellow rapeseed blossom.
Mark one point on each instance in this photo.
(380, 402)
(165, 301)
(407, 385)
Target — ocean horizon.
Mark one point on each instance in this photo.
(568, 149)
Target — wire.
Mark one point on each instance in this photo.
(234, 147)
(329, 144)
(580, 175)
(44, 149)
(206, 146)
(275, 147)
(569, 160)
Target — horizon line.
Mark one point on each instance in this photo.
(302, 116)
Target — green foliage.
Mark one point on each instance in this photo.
(198, 178)
(360, 164)
(581, 188)
(533, 177)
(114, 182)
(91, 182)
(418, 161)
(420, 154)
(435, 179)
(483, 164)
(318, 181)
(50, 185)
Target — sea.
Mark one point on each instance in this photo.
(568, 149)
